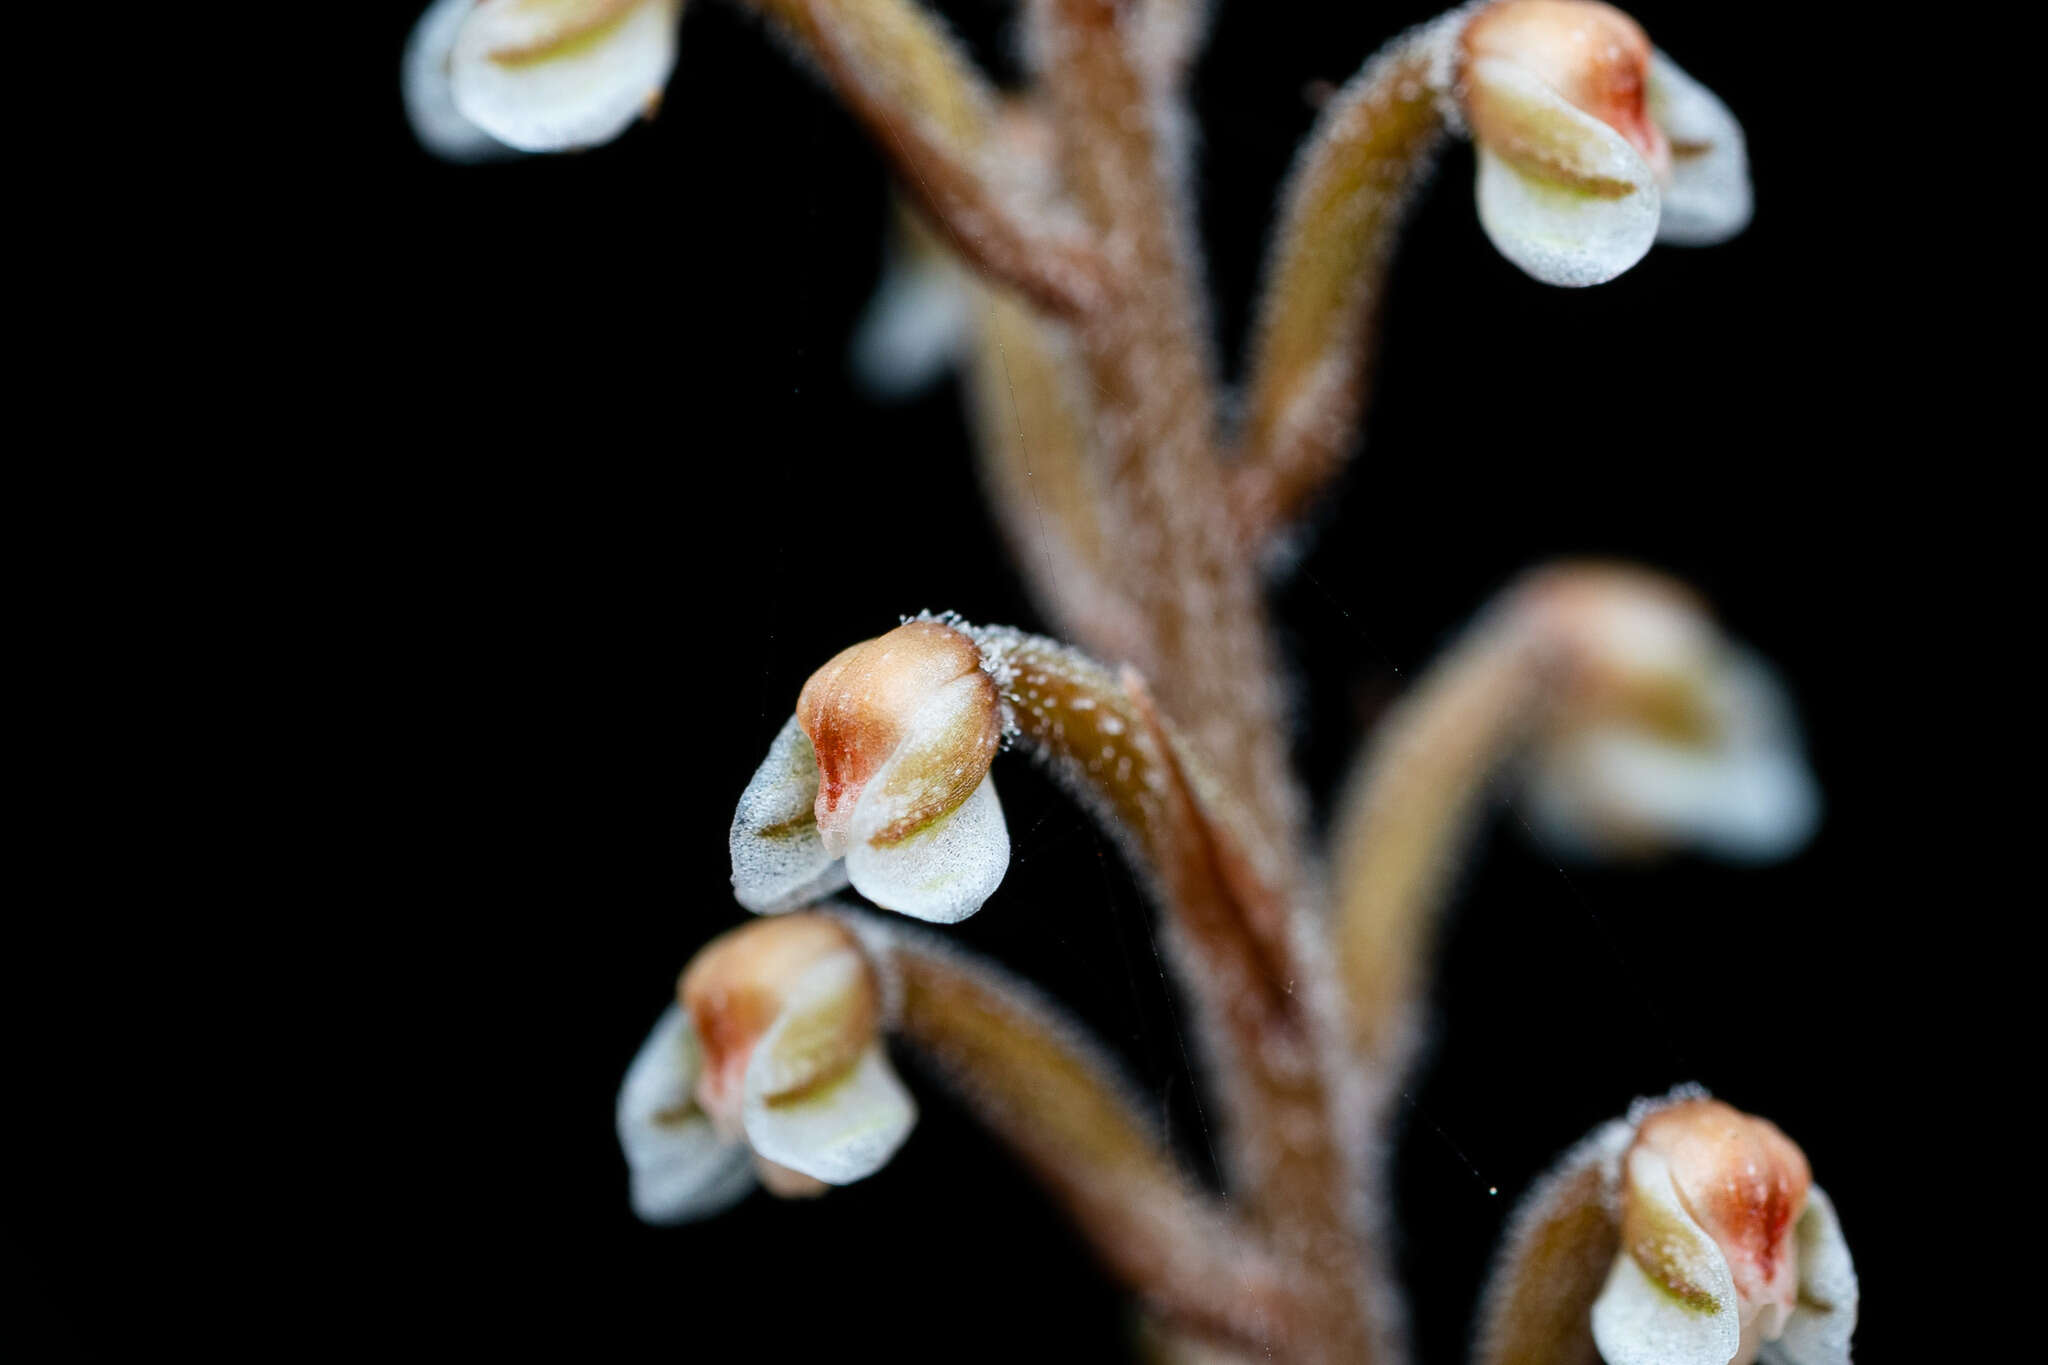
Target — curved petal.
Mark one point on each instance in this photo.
(1746, 796)
(679, 1167)
(1561, 194)
(779, 860)
(551, 75)
(829, 1017)
(944, 871)
(429, 98)
(1819, 1329)
(1709, 198)
(1678, 1310)
(942, 757)
(816, 1113)
(1617, 790)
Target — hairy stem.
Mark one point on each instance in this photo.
(933, 115)
(1538, 1305)
(1404, 815)
(1352, 183)
(1052, 1096)
(1152, 382)
(1032, 415)
(1231, 929)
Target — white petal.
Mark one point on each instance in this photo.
(914, 329)
(1636, 1319)
(1611, 785)
(586, 91)
(779, 861)
(1747, 796)
(1709, 198)
(1558, 233)
(680, 1169)
(1825, 1318)
(429, 99)
(838, 1132)
(942, 873)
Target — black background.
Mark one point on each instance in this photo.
(621, 498)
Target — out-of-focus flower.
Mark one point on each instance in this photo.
(918, 324)
(771, 1067)
(1666, 733)
(1729, 1253)
(429, 93)
(881, 778)
(1591, 143)
(535, 75)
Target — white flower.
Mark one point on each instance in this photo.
(429, 93)
(771, 1067)
(535, 75)
(1668, 733)
(1729, 1253)
(920, 320)
(1591, 143)
(881, 779)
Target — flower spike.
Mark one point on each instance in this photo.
(881, 778)
(771, 1066)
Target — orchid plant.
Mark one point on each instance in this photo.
(1045, 245)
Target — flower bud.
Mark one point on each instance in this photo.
(1745, 1183)
(1663, 732)
(1726, 1246)
(1583, 130)
(884, 765)
(772, 1067)
(552, 75)
(921, 680)
(738, 986)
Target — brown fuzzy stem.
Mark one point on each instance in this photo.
(1032, 415)
(1230, 927)
(1052, 1096)
(1350, 190)
(1165, 520)
(1405, 813)
(1538, 1305)
(932, 114)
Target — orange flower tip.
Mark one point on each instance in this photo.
(1592, 54)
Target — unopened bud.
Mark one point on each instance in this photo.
(1592, 144)
(772, 1068)
(1663, 731)
(1726, 1246)
(917, 695)
(738, 986)
(1745, 1184)
(885, 765)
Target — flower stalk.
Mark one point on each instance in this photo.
(1055, 251)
